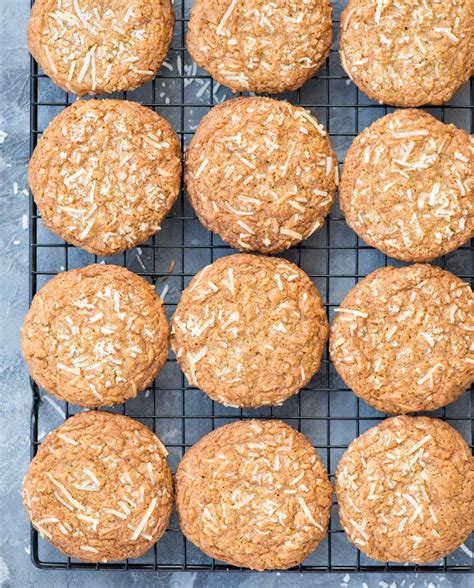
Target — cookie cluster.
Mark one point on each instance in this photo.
(250, 330)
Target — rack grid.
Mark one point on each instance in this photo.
(326, 410)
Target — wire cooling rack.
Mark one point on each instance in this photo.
(326, 411)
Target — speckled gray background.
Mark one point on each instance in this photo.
(16, 568)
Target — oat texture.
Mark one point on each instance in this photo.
(100, 46)
(261, 173)
(403, 338)
(100, 488)
(409, 52)
(105, 174)
(259, 46)
(407, 186)
(95, 336)
(406, 490)
(250, 330)
(254, 494)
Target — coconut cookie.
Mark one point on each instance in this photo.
(252, 46)
(105, 174)
(98, 47)
(410, 52)
(254, 494)
(261, 173)
(403, 338)
(95, 336)
(249, 330)
(99, 488)
(407, 186)
(406, 490)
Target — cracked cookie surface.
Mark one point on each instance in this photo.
(256, 46)
(403, 337)
(405, 490)
(408, 53)
(250, 330)
(407, 186)
(261, 173)
(105, 174)
(254, 494)
(100, 488)
(95, 336)
(100, 47)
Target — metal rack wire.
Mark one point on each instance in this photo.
(333, 257)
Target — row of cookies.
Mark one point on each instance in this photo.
(251, 493)
(407, 53)
(250, 331)
(260, 173)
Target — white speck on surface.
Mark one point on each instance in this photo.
(3, 136)
(55, 405)
(466, 550)
(202, 89)
(164, 292)
(15, 188)
(24, 221)
(346, 578)
(16, 242)
(25, 192)
(28, 550)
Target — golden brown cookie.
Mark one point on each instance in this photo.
(98, 47)
(406, 490)
(407, 186)
(409, 52)
(258, 46)
(105, 173)
(254, 494)
(95, 336)
(250, 330)
(403, 338)
(100, 488)
(261, 173)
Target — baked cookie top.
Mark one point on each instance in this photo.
(98, 47)
(407, 186)
(254, 494)
(257, 46)
(249, 330)
(105, 173)
(405, 490)
(95, 336)
(99, 488)
(410, 52)
(403, 337)
(261, 173)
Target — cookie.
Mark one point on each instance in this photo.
(410, 52)
(403, 338)
(249, 330)
(99, 488)
(95, 336)
(105, 174)
(251, 46)
(261, 173)
(407, 186)
(406, 490)
(97, 47)
(254, 494)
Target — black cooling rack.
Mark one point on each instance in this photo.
(335, 259)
